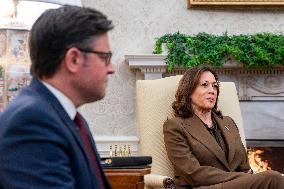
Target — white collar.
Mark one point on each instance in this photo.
(67, 104)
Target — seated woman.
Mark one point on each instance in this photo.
(204, 146)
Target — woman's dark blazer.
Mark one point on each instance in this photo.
(197, 158)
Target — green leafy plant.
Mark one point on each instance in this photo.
(260, 50)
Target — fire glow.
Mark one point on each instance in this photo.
(257, 164)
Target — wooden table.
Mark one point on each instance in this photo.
(127, 178)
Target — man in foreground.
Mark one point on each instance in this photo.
(44, 142)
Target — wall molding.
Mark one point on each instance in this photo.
(252, 84)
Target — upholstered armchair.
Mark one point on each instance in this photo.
(154, 99)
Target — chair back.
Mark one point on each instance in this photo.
(154, 105)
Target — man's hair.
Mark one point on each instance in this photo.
(182, 105)
(57, 30)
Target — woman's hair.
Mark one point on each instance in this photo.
(182, 105)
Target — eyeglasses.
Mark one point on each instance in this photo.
(104, 55)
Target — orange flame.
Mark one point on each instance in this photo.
(256, 163)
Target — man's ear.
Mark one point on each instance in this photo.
(73, 59)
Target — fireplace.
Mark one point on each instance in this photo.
(266, 154)
(266, 158)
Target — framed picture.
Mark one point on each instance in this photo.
(236, 3)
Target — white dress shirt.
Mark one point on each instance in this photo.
(67, 104)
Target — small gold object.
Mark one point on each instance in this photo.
(110, 151)
(129, 151)
(227, 127)
(108, 161)
(115, 150)
(124, 150)
(120, 151)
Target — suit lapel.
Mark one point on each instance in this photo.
(228, 136)
(196, 128)
(44, 92)
(52, 100)
(70, 125)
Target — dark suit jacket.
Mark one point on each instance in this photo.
(40, 147)
(197, 158)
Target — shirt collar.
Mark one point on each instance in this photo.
(66, 103)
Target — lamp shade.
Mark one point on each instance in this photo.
(60, 2)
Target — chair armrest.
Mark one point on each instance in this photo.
(159, 181)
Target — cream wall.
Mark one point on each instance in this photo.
(137, 23)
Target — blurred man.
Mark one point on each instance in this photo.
(44, 142)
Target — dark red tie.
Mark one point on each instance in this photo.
(90, 150)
